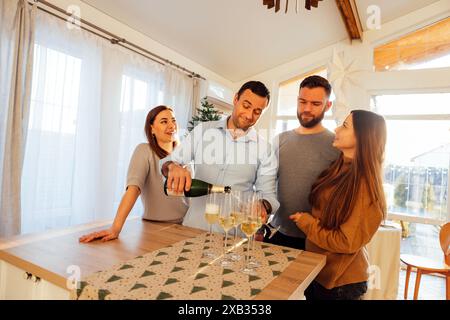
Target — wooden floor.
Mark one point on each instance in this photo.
(431, 287)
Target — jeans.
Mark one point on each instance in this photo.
(284, 240)
(353, 291)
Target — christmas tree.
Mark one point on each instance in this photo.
(204, 114)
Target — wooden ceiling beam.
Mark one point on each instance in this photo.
(349, 14)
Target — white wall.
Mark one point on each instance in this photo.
(370, 82)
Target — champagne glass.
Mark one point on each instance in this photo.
(238, 214)
(226, 221)
(257, 207)
(212, 210)
(249, 227)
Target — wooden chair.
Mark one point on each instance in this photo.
(427, 266)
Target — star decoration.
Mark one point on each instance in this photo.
(342, 76)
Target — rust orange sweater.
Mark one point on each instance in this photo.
(347, 260)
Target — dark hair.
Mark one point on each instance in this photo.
(365, 168)
(149, 132)
(316, 82)
(257, 88)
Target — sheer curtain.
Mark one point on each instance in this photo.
(88, 107)
(199, 92)
(61, 160)
(132, 85)
(178, 93)
(16, 62)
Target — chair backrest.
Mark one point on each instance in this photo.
(444, 238)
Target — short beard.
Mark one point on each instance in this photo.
(311, 123)
(238, 127)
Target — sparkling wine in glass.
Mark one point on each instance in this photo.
(226, 221)
(249, 227)
(212, 212)
(238, 214)
(257, 207)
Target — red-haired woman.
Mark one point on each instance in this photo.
(144, 177)
(348, 206)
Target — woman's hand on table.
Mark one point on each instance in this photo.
(103, 235)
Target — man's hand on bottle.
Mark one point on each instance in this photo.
(178, 178)
(263, 214)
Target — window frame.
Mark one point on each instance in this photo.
(372, 93)
(303, 75)
(408, 32)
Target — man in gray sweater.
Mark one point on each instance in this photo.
(303, 154)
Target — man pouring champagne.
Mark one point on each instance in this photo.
(228, 152)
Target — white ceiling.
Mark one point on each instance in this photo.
(240, 38)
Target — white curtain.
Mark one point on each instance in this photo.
(132, 86)
(200, 92)
(61, 160)
(88, 107)
(16, 63)
(178, 93)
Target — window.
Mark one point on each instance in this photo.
(416, 166)
(139, 90)
(417, 153)
(51, 141)
(89, 102)
(287, 104)
(424, 49)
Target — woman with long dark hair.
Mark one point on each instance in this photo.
(348, 206)
(144, 177)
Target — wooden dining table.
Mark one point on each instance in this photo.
(50, 256)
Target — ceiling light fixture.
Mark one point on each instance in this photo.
(277, 4)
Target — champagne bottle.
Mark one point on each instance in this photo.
(198, 188)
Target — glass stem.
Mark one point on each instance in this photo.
(226, 244)
(210, 235)
(248, 250)
(253, 243)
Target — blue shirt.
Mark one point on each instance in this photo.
(246, 163)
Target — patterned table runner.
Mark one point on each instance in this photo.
(180, 272)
